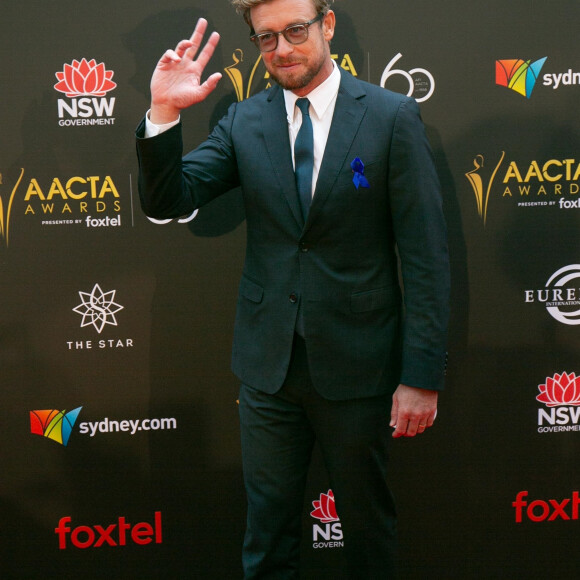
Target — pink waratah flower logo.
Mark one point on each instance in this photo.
(324, 508)
(85, 77)
(561, 389)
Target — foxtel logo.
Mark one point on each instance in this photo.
(117, 534)
(540, 510)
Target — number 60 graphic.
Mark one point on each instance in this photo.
(408, 75)
(183, 220)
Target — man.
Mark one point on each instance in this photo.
(322, 344)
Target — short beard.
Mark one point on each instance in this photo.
(296, 83)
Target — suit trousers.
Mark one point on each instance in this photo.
(278, 433)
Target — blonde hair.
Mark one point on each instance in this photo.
(243, 7)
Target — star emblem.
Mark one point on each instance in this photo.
(98, 308)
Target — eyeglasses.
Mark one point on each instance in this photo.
(294, 34)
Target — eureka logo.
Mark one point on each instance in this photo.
(53, 424)
(518, 75)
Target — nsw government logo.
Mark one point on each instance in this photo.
(561, 395)
(85, 83)
(328, 533)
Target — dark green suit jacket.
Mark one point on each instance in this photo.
(340, 267)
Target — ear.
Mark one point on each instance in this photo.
(328, 24)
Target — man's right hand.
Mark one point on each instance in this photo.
(176, 83)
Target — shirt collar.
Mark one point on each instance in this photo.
(320, 97)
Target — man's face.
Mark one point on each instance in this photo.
(296, 67)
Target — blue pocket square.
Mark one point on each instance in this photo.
(359, 178)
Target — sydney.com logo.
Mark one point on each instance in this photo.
(518, 75)
(58, 425)
(53, 424)
(521, 75)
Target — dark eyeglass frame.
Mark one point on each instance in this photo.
(257, 38)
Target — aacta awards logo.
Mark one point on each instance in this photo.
(86, 84)
(120, 533)
(53, 424)
(6, 208)
(76, 200)
(560, 296)
(561, 395)
(551, 183)
(331, 532)
(98, 309)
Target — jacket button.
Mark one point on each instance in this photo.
(293, 298)
(303, 247)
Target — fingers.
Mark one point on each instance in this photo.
(209, 85)
(413, 411)
(410, 427)
(199, 31)
(192, 45)
(208, 49)
(394, 413)
(189, 48)
(169, 57)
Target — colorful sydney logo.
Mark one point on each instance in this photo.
(518, 75)
(53, 424)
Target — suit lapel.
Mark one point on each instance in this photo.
(348, 114)
(275, 127)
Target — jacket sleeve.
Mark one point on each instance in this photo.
(421, 238)
(171, 186)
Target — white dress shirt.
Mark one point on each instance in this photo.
(322, 102)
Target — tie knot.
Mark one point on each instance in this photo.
(303, 105)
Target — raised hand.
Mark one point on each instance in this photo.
(176, 82)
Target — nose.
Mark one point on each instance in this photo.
(284, 47)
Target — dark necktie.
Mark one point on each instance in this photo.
(304, 158)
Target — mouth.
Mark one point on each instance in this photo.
(287, 65)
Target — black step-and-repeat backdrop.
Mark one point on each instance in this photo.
(119, 430)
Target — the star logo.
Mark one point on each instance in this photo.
(98, 308)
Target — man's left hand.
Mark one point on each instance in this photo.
(413, 410)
